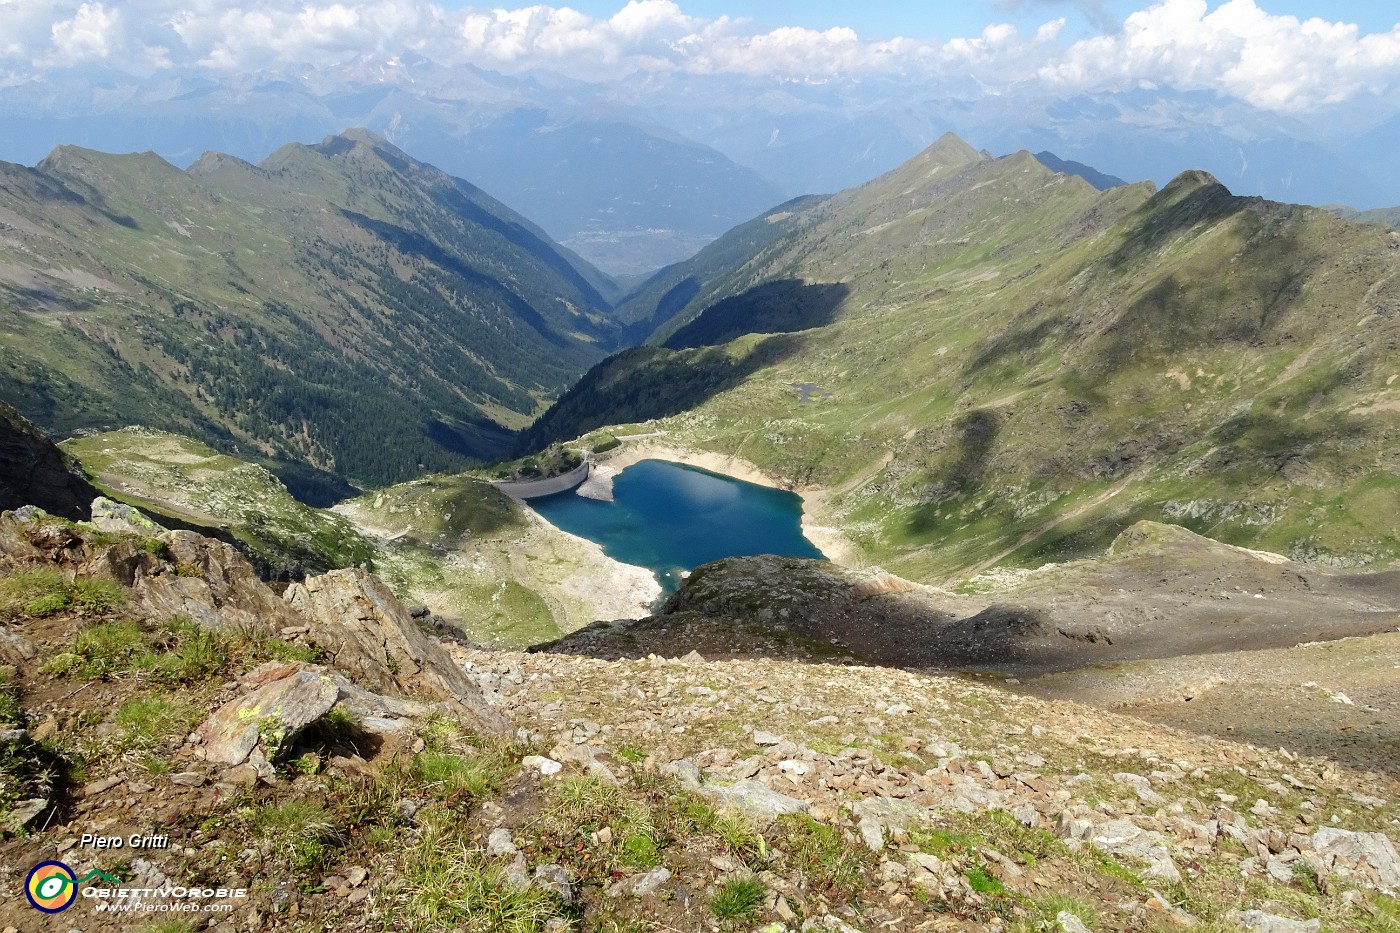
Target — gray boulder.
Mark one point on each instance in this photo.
(1345, 849)
(754, 799)
(120, 518)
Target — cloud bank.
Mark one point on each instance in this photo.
(1238, 49)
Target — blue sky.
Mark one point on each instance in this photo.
(941, 20)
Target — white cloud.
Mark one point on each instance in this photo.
(1274, 62)
(92, 32)
(1237, 49)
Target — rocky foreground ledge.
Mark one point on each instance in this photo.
(351, 770)
(963, 802)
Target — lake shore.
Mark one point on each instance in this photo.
(830, 541)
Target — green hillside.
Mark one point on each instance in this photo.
(1010, 365)
(678, 291)
(339, 310)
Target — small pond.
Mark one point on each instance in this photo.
(672, 518)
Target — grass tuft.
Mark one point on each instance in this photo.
(738, 901)
(446, 884)
(829, 861)
(148, 721)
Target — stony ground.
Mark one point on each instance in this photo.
(792, 789)
(968, 805)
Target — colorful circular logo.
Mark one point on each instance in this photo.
(51, 887)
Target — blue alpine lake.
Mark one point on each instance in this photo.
(672, 518)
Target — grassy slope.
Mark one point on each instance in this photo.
(173, 475)
(1024, 366)
(452, 542)
(342, 306)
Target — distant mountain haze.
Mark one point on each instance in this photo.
(643, 170)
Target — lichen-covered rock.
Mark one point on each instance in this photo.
(285, 698)
(1260, 922)
(120, 518)
(754, 799)
(1352, 851)
(370, 635)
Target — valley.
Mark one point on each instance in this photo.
(1065, 586)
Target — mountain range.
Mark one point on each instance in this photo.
(1125, 457)
(1002, 363)
(983, 360)
(641, 171)
(341, 311)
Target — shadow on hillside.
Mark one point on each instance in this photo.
(670, 304)
(1013, 343)
(645, 383)
(59, 189)
(1208, 202)
(782, 307)
(978, 431)
(1078, 628)
(415, 245)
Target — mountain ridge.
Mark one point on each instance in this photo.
(351, 265)
(993, 306)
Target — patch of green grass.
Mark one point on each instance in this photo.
(983, 882)
(146, 722)
(1007, 834)
(41, 593)
(456, 766)
(738, 901)
(638, 850)
(11, 709)
(1385, 918)
(156, 765)
(1107, 865)
(100, 651)
(831, 862)
(180, 653)
(943, 842)
(98, 594)
(632, 753)
(33, 588)
(445, 883)
(452, 776)
(197, 654)
(688, 814)
(581, 805)
(591, 803)
(302, 831)
(274, 649)
(45, 606)
(1052, 905)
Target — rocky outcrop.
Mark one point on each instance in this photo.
(370, 635)
(1161, 592)
(35, 472)
(206, 580)
(351, 614)
(120, 518)
(283, 699)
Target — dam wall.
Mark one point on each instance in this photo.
(533, 489)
